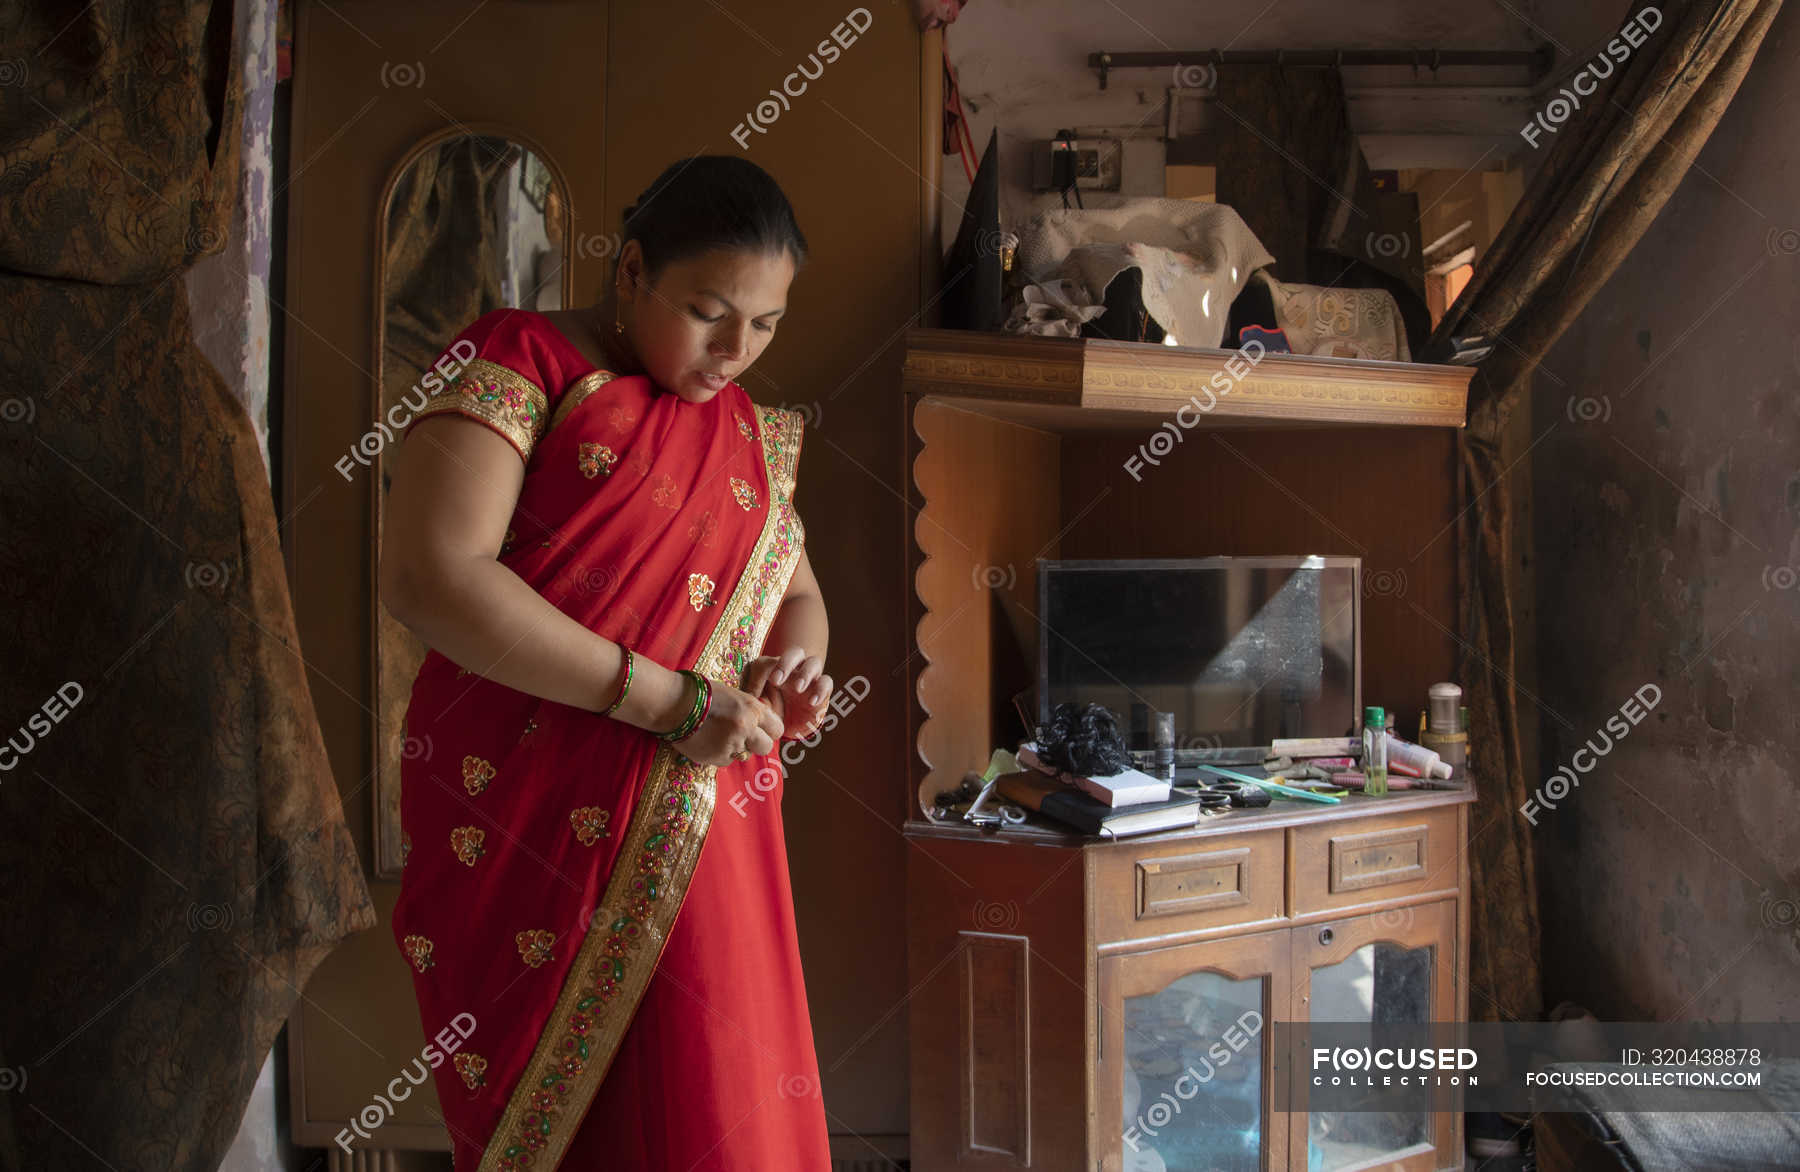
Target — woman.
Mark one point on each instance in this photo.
(590, 509)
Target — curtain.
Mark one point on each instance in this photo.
(1609, 171)
(1289, 164)
(173, 851)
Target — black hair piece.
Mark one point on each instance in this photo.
(1083, 741)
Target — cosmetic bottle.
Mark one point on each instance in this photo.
(1164, 759)
(1374, 752)
(1423, 762)
(1446, 734)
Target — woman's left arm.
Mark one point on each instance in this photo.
(793, 658)
(800, 621)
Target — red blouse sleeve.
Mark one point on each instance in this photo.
(506, 369)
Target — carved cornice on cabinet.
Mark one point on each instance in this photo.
(1115, 384)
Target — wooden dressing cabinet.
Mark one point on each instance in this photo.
(1063, 985)
(1080, 1003)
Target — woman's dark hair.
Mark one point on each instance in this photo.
(707, 202)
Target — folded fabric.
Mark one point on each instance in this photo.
(1055, 309)
(1194, 257)
(1338, 323)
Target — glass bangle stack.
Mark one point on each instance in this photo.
(697, 713)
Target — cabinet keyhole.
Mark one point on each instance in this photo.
(1324, 935)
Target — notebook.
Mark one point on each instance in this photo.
(1050, 797)
(1129, 788)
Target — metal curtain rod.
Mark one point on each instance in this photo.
(1538, 60)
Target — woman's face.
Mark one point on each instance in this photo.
(706, 319)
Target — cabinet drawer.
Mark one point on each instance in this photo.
(1343, 864)
(1183, 887)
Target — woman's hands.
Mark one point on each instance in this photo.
(783, 698)
(736, 723)
(795, 688)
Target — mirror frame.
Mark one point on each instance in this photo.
(386, 853)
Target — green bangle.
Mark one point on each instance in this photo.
(697, 714)
(702, 703)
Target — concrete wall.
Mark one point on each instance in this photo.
(1666, 475)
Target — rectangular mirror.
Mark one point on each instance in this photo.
(1243, 650)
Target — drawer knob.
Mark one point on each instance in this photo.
(1324, 935)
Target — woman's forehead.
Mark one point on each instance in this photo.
(750, 281)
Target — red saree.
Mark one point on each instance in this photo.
(629, 959)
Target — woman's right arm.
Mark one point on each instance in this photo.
(454, 485)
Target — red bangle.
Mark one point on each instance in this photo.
(624, 683)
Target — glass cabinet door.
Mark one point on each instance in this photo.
(1389, 967)
(1184, 1081)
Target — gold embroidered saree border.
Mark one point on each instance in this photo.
(648, 884)
(498, 396)
(586, 385)
(781, 432)
(772, 568)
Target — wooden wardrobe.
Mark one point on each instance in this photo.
(610, 94)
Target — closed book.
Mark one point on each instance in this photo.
(1066, 804)
(1130, 788)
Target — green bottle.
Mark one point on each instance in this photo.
(1374, 752)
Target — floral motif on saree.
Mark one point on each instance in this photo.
(744, 493)
(702, 530)
(535, 945)
(471, 1066)
(700, 591)
(466, 842)
(589, 823)
(596, 459)
(476, 774)
(418, 951)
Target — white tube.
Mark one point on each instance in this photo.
(1428, 763)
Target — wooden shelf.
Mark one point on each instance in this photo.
(1081, 384)
(1020, 448)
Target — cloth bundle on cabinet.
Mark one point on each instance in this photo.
(1194, 259)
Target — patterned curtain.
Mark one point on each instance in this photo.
(172, 847)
